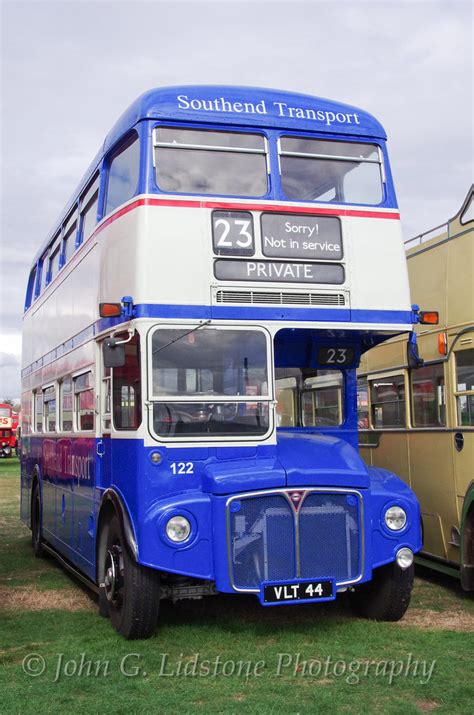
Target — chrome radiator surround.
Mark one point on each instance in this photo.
(296, 513)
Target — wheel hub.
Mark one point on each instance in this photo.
(113, 573)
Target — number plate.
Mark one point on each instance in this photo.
(301, 591)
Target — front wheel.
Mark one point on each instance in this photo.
(387, 596)
(130, 591)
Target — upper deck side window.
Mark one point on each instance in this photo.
(88, 209)
(123, 173)
(54, 262)
(69, 237)
(332, 171)
(30, 290)
(44, 277)
(199, 161)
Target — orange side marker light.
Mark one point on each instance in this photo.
(110, 310)
(443, 344)
(429, 317)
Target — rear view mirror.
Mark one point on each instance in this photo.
(114, 355)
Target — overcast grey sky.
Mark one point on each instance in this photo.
(70, 68)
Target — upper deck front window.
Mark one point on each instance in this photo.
(194, 161)
(333, 171)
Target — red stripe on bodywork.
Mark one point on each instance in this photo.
(281, 208)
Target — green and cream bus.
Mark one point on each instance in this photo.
(419, 421)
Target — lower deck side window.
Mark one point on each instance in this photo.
(428, 398)
(465, 387)
(309, 397)
(49, 400)
(84, 402)
(388, 402)
(38, 411)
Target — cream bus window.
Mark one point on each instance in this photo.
(388, 402)
(465, 387)
(428, 396)
(468, 213)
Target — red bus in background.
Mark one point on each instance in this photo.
(8, 430)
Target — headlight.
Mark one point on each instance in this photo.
(395, 518)
(178, 528)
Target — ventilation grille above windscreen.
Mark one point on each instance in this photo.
(278, 298)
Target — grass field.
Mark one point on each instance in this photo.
(224, 654)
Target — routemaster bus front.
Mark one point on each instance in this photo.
(189, 427)
(227, 509)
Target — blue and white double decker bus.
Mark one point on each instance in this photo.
(192, 329)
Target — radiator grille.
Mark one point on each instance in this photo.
(278, 298)
(270, 542)
(263, 540)
(329, 536)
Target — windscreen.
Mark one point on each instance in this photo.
(209, 382)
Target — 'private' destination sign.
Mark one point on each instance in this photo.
(306, 237)
(278, 271)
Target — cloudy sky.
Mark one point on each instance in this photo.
(70, 68)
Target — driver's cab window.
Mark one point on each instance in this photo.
(286, 402)
(126, 388)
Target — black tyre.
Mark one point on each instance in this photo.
(131, 592)
(36, 530)
(387, 596)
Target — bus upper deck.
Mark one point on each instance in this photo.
(191, 333)
(297, 221)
